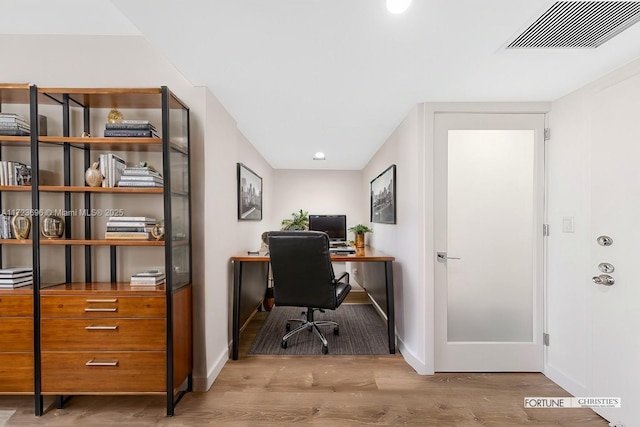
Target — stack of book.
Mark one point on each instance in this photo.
(129, 227)
(141, 176)
(11, 278)
(14, 173)
(14, 125)
(131, 128)
(6, 231)
(111, 168)
(148, 278)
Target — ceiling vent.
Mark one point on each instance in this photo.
(578, 25)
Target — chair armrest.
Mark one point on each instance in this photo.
(339, 278)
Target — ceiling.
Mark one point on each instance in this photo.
(337, 76)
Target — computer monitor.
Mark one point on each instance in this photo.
(334, 225)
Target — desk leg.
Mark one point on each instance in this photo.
(388, 270)
(237, 280)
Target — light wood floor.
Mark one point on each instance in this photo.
(324, 390)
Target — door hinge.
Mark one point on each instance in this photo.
(545, 230)
(545, 339)
(547, 134)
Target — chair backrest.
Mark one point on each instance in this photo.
(302, 270)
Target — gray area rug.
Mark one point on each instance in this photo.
(362, 331)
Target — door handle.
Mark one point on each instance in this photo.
(603, 279)
(442, 256)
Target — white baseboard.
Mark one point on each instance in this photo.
(203, 384)
(576, 389)
(418, 365)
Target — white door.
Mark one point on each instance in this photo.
(615, 212)
(489, 193)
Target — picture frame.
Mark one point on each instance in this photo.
(249, 194)
(383, 197)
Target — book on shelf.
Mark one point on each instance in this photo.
(133, 126)
(6, 231)
(129, 224)
(146, 219)
(12, 271)
(140, 171)
(134, 122)
(14, 173)
(127, 235)
(129, 228)
(111, 167)
(15, 285)
(130, 177)
(152, 184)
(17, 281)
(14, 132)
(147, 280)
(150, 273)
(130, 133)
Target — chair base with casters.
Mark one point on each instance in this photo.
(310, 324)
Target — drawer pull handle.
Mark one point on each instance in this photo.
(101, 327)
(102, 300)
(93, 362)
(93, 310)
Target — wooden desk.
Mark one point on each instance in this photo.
(250, 281)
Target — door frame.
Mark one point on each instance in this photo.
(430, 139)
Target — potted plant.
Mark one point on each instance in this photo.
(359, 231)
(298, 221)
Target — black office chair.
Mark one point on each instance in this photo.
(303, 276)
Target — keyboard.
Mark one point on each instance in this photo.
(342, 249)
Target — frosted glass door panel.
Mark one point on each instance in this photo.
(490, 226)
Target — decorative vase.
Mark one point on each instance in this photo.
(269, 300)
(21, 226)
(52, 226)
(92, 176)
(360, 241)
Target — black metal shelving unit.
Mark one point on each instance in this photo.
(76, 109)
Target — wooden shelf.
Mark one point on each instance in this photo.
(25, 188)
(15, 242)
(87, 189)
(15, 141)
(102, 242)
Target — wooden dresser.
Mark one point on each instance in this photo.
(16, 342)
(104, 338)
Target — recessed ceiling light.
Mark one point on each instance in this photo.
(318, 156)
(398, 6)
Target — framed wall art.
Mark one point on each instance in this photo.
(249, 194)
(383, 197)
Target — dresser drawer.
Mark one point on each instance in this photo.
(103, 372)
(102, 306)
(16, 306)
(103, 334)
(16, 334)
(16, 372)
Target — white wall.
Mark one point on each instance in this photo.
(594, 347)
(565, 301)
(321, 192)
(406, 239)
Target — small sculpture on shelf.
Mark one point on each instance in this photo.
(52, 227)
(21, 226)
(92, 176)
(157, 231)
(114, 116)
